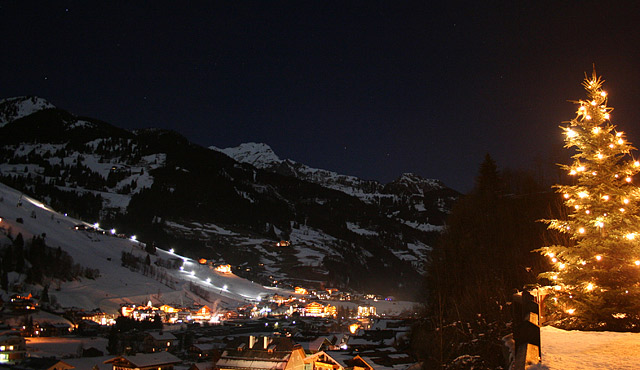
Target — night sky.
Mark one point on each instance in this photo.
(370, 88)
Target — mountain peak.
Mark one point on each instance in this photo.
(259, 155)
(15, 108)
(411, 183)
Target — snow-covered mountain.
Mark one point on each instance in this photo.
(15, 108)
(262, 156)
(346, 233)
(409, 191)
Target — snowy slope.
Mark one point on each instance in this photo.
(15, 108)
(116, 284)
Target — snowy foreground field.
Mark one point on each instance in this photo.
(576, 350)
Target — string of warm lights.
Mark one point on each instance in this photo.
(603, 221)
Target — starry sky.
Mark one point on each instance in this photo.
(366, 88)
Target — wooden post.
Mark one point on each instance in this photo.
(526, 330)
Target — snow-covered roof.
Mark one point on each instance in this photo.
(234, 363)
(147, 359)
(162, 335)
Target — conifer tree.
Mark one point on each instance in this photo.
(596, 274)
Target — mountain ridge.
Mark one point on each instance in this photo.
(157, 184)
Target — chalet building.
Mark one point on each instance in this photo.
(22, 303)
(321, 361)
(316, 309)
(205, 351)
(202, 366)
(257, 353)
(13, 348)
(89, 328)
(201, 313)
(366, 310)
(35, 363)
(318, 344)
(145, 361)
(55, 329)
(158, 341)
(379, 359)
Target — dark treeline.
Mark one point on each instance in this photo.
(482, 258)
(40, 263)
(157, 270)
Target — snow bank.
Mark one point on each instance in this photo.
(578, 350)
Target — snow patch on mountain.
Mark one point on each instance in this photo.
(257, 154)
(424, 227)
(360, 231)
(15, 108)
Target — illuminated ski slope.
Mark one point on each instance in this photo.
(117, 284)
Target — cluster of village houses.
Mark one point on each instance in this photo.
(279, 333)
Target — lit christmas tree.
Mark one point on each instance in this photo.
(596, 277)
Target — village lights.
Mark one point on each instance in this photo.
(171, 250)
(571, 311)
(598, 258)
(209, 280)
(113, 231)
(590, 287)
(133, 237)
